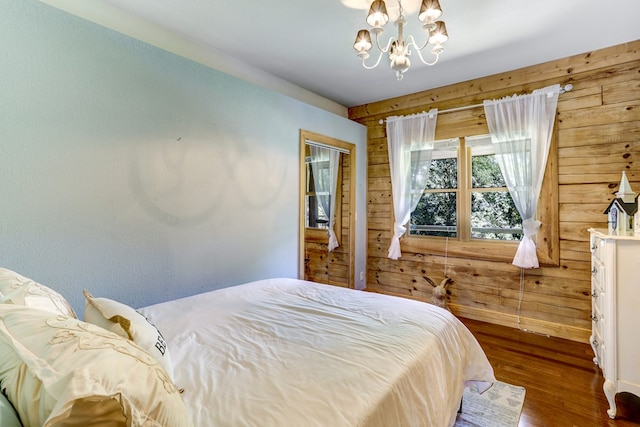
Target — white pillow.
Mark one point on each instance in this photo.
(128, 323)
(17, 289)
(8, 416)
(61, 371)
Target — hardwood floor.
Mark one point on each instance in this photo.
(563, 386)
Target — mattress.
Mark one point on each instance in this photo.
(286, 352)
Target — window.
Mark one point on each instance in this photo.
(436, 212)
(316, 217)
(466, 196)
(493, 213)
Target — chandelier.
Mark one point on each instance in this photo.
(399, 48)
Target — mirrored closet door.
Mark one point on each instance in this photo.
(327, 201)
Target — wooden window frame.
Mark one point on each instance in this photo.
(349, 192)
(548, 242)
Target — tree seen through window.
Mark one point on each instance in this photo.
(472, 189)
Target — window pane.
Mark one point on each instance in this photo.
(435, 215)
(321, 171)
(494, 216)
(485, 172)
(316, 216)
(443, 174)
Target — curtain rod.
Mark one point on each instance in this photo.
(327, 146)
(566, 88)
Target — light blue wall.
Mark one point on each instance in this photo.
(140, 175)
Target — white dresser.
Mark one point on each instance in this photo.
(615, 295)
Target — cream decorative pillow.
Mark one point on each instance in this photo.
(128, 323)
(17, 289)
(59, 371)
(8, 416)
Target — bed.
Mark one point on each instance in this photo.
(287, 352)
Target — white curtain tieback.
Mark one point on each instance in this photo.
(399, 230)
(530, 227)
(526, 253)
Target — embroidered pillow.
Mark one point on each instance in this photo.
(17, 289)
(58, 370)
(128, 323)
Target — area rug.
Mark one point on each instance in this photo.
(500, 406)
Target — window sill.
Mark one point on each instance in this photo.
(487, 250)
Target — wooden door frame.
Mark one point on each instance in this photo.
(305, 136)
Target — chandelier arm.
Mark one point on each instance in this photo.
(412, 42)
(371, 67)
(386, 48)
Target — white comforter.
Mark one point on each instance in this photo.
(285, 352)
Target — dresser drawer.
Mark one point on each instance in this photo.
(598, 276)
(597, 321)
(598, 298)
(597, 247)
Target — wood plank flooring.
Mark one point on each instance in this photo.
(564, 387)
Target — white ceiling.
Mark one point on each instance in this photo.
(310, 42)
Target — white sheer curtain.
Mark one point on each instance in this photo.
(521, 127)
(407, 135)
(326, 183)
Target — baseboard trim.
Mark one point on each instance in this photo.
(543, 327)
(537, 326)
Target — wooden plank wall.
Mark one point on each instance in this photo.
(598, 136)
(320, 265)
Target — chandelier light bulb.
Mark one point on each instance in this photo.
(439, 34)
(378, 15)
(363, 41)
(430, 11)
